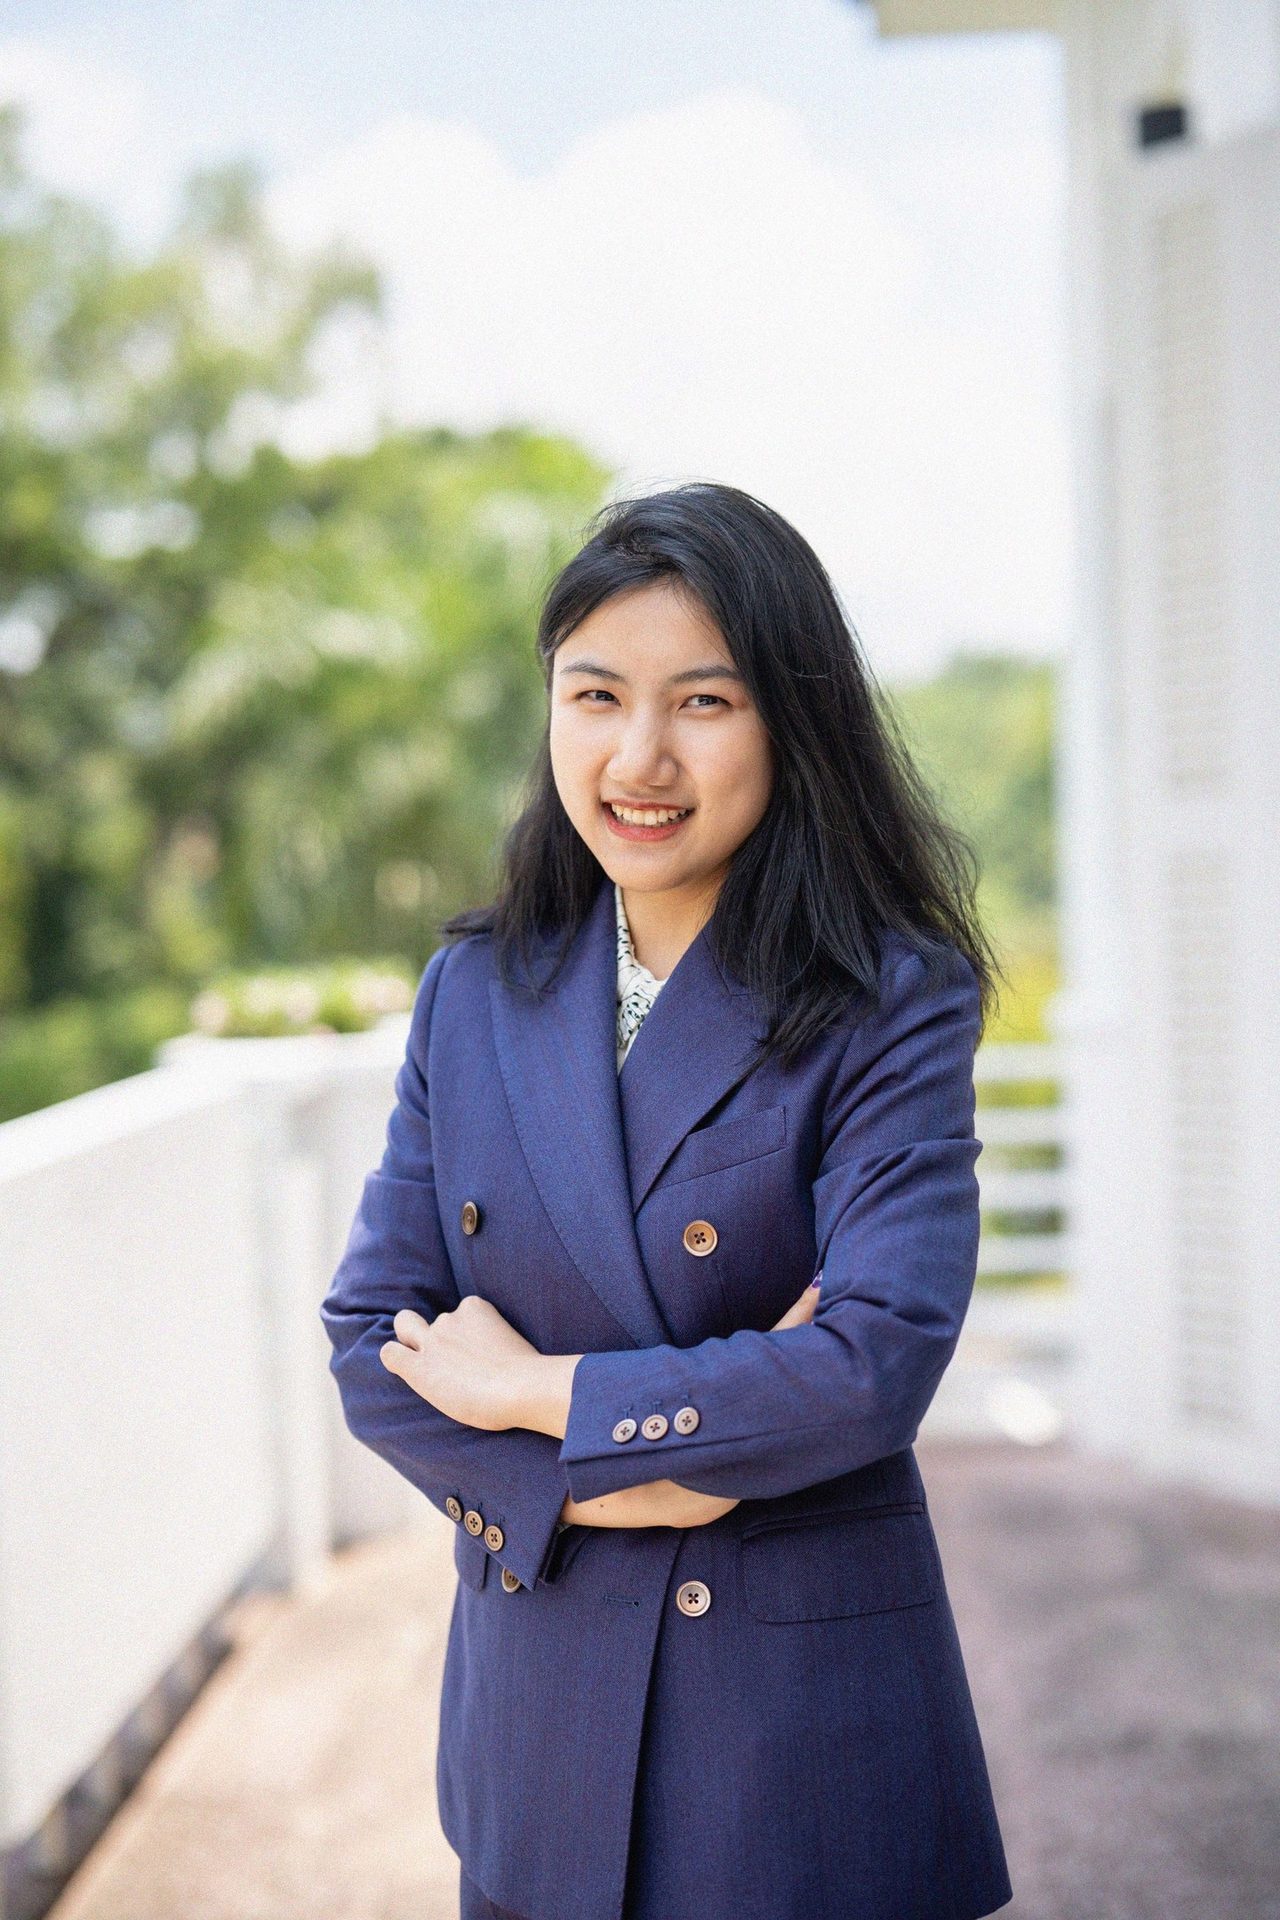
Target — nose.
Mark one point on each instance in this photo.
(642, 761)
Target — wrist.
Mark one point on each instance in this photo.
(543, 1392)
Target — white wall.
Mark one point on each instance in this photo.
(1169, 824)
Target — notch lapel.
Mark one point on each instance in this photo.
(595, 1143)
(697, 1041)
(558, 1057)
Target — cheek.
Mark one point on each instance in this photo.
(746, 780)
(571, 755)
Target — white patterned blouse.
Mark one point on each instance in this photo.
(637, 987)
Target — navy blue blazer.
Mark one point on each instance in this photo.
(766, 1717)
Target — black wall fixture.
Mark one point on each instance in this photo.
(1164, 120)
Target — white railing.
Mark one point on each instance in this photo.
(1011, 1373)
(1010, 1131)
(168, 1432)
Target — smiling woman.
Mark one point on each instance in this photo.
(661, 759)
(575, 1308)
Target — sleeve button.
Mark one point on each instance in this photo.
(655, 1426)
(494, 1537)
(453, 1508)
(686, 1420)
(473, 1521)
(624, 1429)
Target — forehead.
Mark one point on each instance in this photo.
(645, 631)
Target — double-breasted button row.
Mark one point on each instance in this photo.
(655, 1425)
(699, 1237)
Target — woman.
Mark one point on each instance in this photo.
(715, 1033)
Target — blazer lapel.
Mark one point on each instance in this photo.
(696, 1043)
(595, 1143)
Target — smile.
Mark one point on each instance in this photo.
(644, 823)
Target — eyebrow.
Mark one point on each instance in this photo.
(714, 670)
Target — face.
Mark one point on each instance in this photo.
(649, 711)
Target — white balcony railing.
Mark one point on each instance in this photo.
(1011, 1375)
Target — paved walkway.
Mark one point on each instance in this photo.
(1123, 1644)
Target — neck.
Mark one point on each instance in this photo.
(663, 925)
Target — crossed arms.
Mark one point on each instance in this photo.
(464, 1406)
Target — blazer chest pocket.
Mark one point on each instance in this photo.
(727, 1144)
(833, 1565)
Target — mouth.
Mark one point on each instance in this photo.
(644, 823)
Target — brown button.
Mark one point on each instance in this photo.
(700, 1237)
(494, 1537)
(686, 1420)
(453, 1508)
(470, 1216)
(655, 1426)
(624, 1430)
(473, 1521)
(693, 1597)
(509, 1581)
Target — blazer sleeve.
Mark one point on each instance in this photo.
(396, 1257)
(896, 1220)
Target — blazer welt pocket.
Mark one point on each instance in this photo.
(727, 1144)
(831, 1565)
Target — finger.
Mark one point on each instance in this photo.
(799, 1314)
(393, 1357)
(409, 1327)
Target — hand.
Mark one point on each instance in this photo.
(664, 1503)
(468, 1362)
(655, 1503)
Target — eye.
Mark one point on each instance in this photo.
(588, 694)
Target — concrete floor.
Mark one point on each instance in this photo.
(1123, 1644)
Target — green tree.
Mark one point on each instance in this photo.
(250, 708)
(981, 731)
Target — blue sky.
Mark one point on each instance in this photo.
(730, 239)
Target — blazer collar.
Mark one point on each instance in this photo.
(595, 1140)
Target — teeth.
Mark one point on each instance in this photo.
(649, 816)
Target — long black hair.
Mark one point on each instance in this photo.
(852, 841)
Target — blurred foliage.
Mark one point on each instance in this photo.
(254, 710)
(73, 1044)
(346, 996)
(260, 714)
(981, 732)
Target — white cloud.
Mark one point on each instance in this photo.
(85, 121)
(696, 292)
